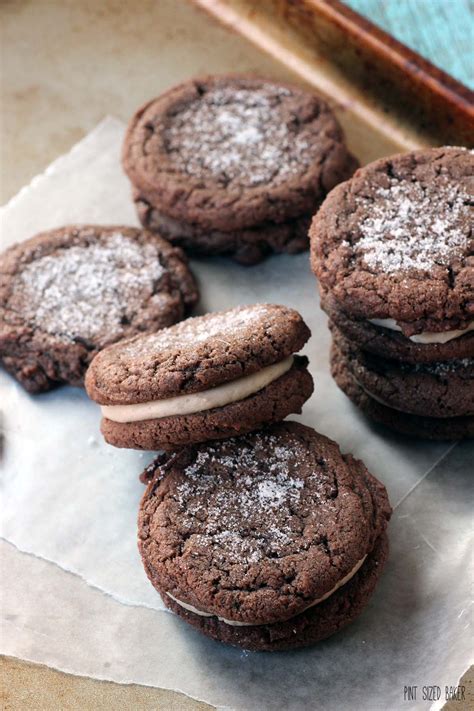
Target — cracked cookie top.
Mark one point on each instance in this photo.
(79, 288)
(230, 152)
(396, 240)
(257, 528)
(196, 354)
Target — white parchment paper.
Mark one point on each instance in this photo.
(69, 498)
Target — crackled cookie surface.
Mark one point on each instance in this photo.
(269, 540)
(234, 164)
(67, 293)
(394, 245)
(208, 377)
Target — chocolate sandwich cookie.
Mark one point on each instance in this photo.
(392, 344)
(442, 389)
(268, 541)
(350, 377)
(234, 164)
(67, 293)
(208, 377)
(247, 246)
(393, 251)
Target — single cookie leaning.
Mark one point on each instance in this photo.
(234, 164)
(67, 293)
(393, 251)
(268, 541)
(209, 377)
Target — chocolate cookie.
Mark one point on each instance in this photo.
(209, 377)
(443, 389)
(434, 428)
(393, 246)
(392, 344)
(234, 164)
(67, 293)
(271, 540)
(247, 246)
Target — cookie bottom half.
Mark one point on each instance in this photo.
(433, 428)
(443, 389)
(392, 344)
(305, 629)
(247, 246)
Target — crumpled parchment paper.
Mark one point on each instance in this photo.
(70, 499)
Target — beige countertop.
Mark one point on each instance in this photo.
(67, 64)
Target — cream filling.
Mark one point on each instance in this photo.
(198, 402)
(234, 623)
(426, 336)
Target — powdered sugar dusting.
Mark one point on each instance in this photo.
(233, 487)
(443, 368)
(239, 134)
(199, 330)
(410, 227)
(86, 291)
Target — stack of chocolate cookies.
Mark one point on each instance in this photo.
(257, 532)
(234, 165)
(394, 254)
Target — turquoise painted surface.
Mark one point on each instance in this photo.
(440, 30)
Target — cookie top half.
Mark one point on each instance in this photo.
(395, 242)
(66, 293)
(258, 528)
(231, 152)
(196, 354)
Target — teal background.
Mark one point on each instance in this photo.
(440, 30)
